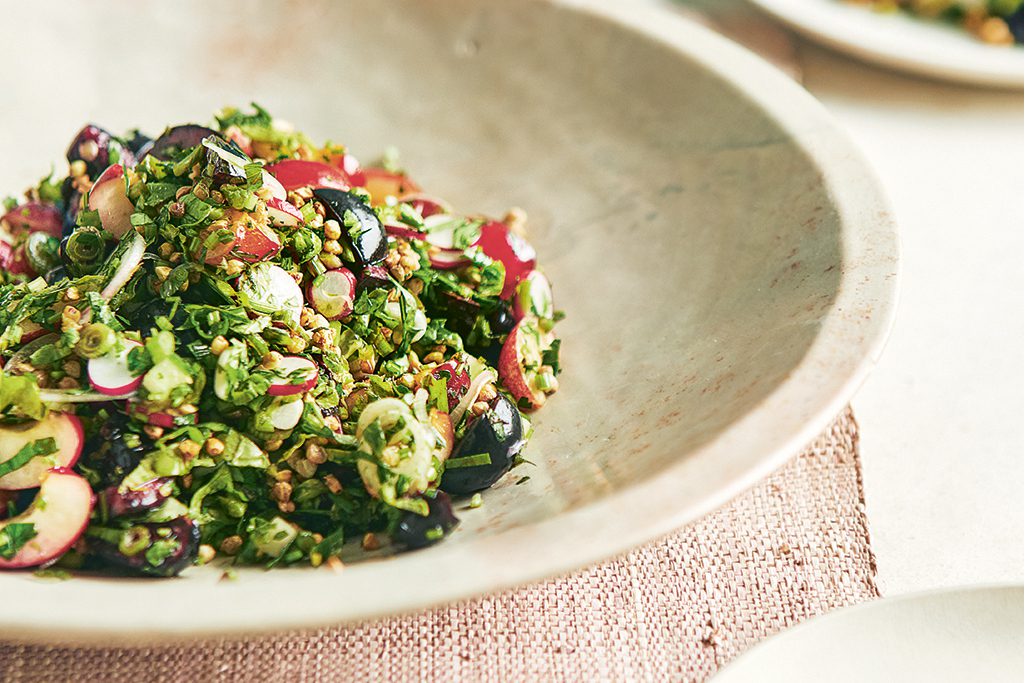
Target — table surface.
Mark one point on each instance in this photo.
(941, 416)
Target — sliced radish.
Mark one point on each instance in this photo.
(457, 381)
(521, 361)
(517, 255)
(161, 419)
(426, 204)
(58, 515)
(288, 366)
(397, 229)
(440, 230)
(110, 374)
(34, 217)
(257, 242)
(471, 395)
(533, 296)
(332, 293)
(266, 288)
(448, 259)
(108, 198)
(128, 265)
(67, 432)
(275, 188)
(62, 396)
(283, 213)
(296, 173)
(287, 415)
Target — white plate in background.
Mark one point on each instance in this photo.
(966, 635)
(901, 41)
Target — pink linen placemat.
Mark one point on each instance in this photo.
(794, 546)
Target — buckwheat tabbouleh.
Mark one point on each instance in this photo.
(233, 341)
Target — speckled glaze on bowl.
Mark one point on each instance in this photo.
(727, 262)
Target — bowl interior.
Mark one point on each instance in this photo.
(692, 242)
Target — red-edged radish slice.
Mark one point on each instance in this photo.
(457, 381)
(517, 255)
(110, 374)
(62, 396)
(67, 432)
(425, 204)
(108, 198)
(350, 164)
(34, 217)
(382, 184)
(128, 265)
(268, 288)
(274, 186)
(283, 213)
(287, 415)
(58, 515)
(164, 420)
(296, 173)
(397, 229)
(448, 260)
(440, 229)
(257, 242)
(521, 364)
(288, 366)
(532, 296)
(471, 395)
(332, 293)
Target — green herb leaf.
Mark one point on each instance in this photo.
(469, 461)
(21, 393)
(26, 453)
(13, 538)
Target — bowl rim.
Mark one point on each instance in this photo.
(845, 349)
(856, 31)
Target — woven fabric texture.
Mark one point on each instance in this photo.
(794, 546)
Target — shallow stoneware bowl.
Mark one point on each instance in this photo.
(726, 261)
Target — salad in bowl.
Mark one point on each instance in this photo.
(231, 341)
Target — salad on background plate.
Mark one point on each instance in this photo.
(231, 341)
(997, 22)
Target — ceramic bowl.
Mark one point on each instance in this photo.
(726, 260)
